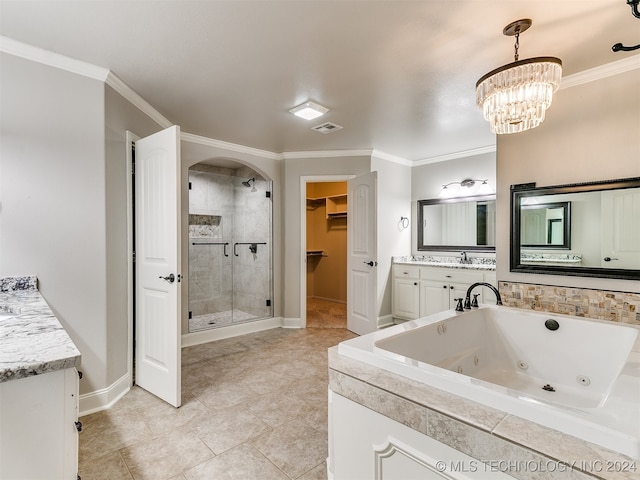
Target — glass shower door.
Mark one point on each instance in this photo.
(230, 253)
(252, 251)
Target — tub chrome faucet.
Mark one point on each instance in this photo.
(467, 299)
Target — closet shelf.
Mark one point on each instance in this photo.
(316, 253)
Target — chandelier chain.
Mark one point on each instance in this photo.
(516, 46)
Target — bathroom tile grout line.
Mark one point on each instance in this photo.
(284, 349)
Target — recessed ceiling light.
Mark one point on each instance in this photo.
(309, 110)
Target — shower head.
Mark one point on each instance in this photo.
(248, 182)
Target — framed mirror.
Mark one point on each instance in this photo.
(451, 224)
(546, 225)
(587, 229)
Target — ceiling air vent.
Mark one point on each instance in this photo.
(326, 127)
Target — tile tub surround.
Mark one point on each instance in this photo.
(520, 448)
(33, 341)
(621, 307)
(475, 263)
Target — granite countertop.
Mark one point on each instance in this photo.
(32, 341)
(474, 263)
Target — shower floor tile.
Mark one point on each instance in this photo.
(217, 319)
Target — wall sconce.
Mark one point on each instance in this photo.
(466, 188)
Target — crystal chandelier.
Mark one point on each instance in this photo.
(514, 97)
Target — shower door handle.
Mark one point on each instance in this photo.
(224, 249)
(235, 249)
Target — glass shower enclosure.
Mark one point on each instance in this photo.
(230, 266)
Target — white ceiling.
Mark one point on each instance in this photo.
(399, 76)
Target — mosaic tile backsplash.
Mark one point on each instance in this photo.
(621, 307)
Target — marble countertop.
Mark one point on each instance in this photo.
(32, 340)
(475, 263)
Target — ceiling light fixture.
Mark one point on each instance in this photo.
(466, 188)
(309, 110)
(514, 97)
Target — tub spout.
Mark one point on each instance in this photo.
(467, 299)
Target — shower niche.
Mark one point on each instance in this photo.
(230, 254)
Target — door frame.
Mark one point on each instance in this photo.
(130, 139)
(303, 235)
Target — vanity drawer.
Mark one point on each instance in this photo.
(450, 275)
(404, 271)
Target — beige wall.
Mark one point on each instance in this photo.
(52, 187)
(327, 275)
(294, 170)
(120, 116)
(592, 132)
(427, 181)
(269, 169)
(394, 201)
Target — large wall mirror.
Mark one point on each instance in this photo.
(587, 229)
(457, 224)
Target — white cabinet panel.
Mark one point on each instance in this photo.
(436, 289)
(366, 445)
(406, 298)
(434, 297)
(39, 437)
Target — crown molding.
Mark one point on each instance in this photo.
(128, 93)
(45, 57)
(392, 158)
(601, 71)
(40, 55)
(453, 156)
(234, 147)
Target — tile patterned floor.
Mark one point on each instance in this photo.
(326, 314)
(254, 407)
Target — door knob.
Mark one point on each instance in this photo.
(169, 278)
(371, 263)
(608, 259)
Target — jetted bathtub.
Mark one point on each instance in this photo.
(576, 375)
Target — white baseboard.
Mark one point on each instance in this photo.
(385, 321)
(105, 398)
(220, 333)
(292, 323)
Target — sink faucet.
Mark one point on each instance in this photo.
(467, 300)
(463, 257)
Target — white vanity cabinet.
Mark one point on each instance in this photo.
(418, 290)
(440, 287)
(406, 292)
(39, 434)
(364, 444)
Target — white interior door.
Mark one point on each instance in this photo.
(158, 279)
(362, 254)
(620, 229)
